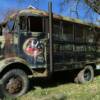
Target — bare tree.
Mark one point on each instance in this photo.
(9, 12)
(74, 7)
(94, 4)
(80, 9)
(71, 6)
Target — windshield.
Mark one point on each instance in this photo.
(10, 25)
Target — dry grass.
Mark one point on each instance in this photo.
(64, 90)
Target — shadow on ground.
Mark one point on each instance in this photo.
(57, 78)
(97, 73)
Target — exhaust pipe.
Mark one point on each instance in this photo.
(50, 37)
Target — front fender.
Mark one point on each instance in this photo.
(8, 61)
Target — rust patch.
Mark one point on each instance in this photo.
(8, 48)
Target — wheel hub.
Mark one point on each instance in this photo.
(14, 85)
(87, 75)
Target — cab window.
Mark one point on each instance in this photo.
(35, 24)
(31, 23)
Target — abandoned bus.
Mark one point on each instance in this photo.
(38, 43)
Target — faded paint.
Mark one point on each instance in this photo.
(2, 40)
(8, 61)
(10, 39)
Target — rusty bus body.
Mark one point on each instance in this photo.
(62, 44)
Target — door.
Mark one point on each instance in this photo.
(32, 41)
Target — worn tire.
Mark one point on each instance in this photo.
(85, 75)
(76, 80)
(9, 81)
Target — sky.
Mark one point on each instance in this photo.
(14, 4)
(6, 5)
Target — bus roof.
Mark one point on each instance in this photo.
(37, 12)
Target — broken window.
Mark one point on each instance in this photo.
(31, 23)
(35, 24)
(79, 35)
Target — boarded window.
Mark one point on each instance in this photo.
(31, 23)
(67, 31)
(57, 29)
(79, 34)
(90, 35)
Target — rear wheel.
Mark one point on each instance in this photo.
(85, 75)
(14, 83)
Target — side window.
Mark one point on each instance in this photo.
(68, 31)
(57, 29)
(79, 34)
(97, 32)
(90, 39)
(0, 30)
(35, 24)
(79, 38)
(64, 33)
(90, 36)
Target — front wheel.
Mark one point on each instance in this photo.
(14, 83)
(85, 75)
